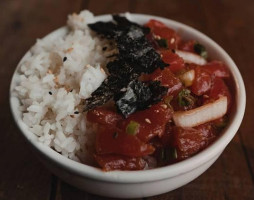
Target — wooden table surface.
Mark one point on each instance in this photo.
(228, 22)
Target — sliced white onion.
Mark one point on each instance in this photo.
(202, 114)
(187, 77)
(189, 57)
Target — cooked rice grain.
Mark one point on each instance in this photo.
(53, 80)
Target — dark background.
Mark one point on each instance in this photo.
(228, 22)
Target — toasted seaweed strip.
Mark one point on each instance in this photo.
(136, 93)
(139, 96)
(136, 56)
(157, 90)
(104, 93)
(108, 29)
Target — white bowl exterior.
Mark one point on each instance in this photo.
(128, 190)
(122, 189)
(139, 183)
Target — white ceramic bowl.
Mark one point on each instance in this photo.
(136, 184)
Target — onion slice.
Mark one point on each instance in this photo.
(188, 77)
(189, 57)
(202, 114)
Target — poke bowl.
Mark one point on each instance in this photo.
(71, 167)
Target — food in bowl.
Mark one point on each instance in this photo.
(123, 96)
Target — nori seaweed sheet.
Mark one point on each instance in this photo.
(136, 56)
(139, 96)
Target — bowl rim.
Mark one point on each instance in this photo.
(173, 170)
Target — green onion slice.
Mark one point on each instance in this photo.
(185, 98)
(200, 50)
(162, 42)
(168, 154)
(132, 128)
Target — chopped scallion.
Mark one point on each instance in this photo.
(185, 98)
(200, 50)
(162, 42)
(168, 100)
(132, 128)
(174, 153)
(168, 154)
(221, 123)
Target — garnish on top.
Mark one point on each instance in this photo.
(136, 56)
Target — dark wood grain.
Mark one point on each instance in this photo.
(188, 12)
(99, 7)
(222, 180)
(238, 29)
(22, 176)
(230, 23)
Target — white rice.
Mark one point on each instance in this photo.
(51, 91)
